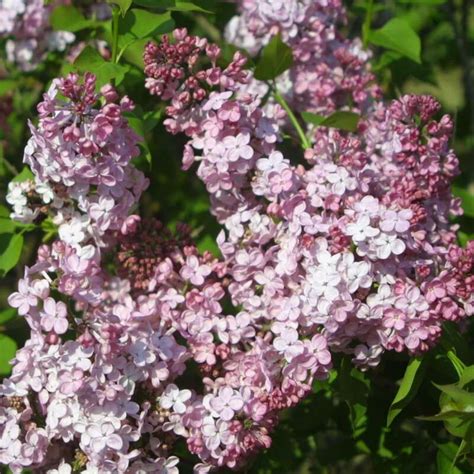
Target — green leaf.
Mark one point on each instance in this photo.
(91, 61)
(124, 5)
(408, 388)
(397, 35)
(136, 123)
(343, 120)
(446, 457)
(133, 53)
(467, 200)
(185, 6)
(153, 3)
(208, 243)
(7, 314)
(453, 340)
(276, 58)
(7, 85)
(463, 399)
(449, 415)
(10, 254)
(315, 119)
(7, 353)
(23, 175)
(69, 18)
(385, 59)
(139, 126)
(354, 388)
(138, 24)
(4, 212)
(464, 238)
(423, 2)
(176, 5)
(456, 419)
(467, 376)
(91, 58)
(7, 226)
(50, 230)
(152, 119)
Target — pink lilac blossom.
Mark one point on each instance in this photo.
(73, 144)
(329, 71)
(80, 156)
(96, 386)
(352, 251)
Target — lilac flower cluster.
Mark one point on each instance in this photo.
(352, 252)
(176, 75)
(64, 406)
(329, 72)
(95, 388)
(25, 24)
(140, 343)
(354, 243)
(80, 157)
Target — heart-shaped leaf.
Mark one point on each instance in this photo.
(276, 58)
(11, 247)
(91, 61)
(342, 120)
(69, 18)
(397, 35)
(7, 353)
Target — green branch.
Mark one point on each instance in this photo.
(115, 33)
(299, 130)
(367, 23)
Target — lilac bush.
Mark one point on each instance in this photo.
(141, 346)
